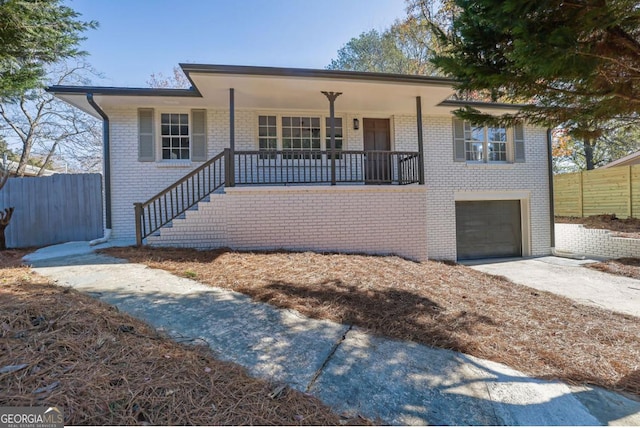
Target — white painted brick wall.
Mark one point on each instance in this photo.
(577, 239)
(351, 219)
(134, 181)
(444, 177)
(405, 133)
(353, 137)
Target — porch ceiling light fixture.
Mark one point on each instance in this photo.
(356, 123)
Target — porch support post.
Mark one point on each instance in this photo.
(138, 213)
(232, 120)
(331, 96)
(420, 142)
(230, 156)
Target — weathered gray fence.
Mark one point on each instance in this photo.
(51, 210)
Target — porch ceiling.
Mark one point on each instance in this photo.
(303, 93)
(283, 89)
(284, 93)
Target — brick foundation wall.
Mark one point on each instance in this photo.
(350, 219)
(577, 239)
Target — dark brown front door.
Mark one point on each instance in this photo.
(377, 141)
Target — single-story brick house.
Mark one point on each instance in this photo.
(282, 158)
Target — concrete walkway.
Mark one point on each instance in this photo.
(567, 277)
(352, 371)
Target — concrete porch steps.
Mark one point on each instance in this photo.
(201, 226)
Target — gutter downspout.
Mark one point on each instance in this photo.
(552, 219)
(420, 140)
(107, 170)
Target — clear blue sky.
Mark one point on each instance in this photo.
(139, 37)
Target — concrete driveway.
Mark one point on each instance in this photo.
(571, 279)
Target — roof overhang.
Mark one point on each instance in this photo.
(294, 89)
(631, 159)
(116, 97)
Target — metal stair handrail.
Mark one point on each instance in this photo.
(176, 199)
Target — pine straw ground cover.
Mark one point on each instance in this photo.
(623, 227)
(629, 267)
(59, 347)
(438, 304)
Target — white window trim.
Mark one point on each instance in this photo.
(323, 133)
(510, 147)
(158, 126)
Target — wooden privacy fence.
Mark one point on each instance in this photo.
(51, 210)
(602, 191)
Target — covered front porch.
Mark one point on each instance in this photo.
(348, 137)
(286, 167)
(260, 167)
(307, 135)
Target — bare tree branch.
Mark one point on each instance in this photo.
(49, 129)
(12, 124)
(52, 150)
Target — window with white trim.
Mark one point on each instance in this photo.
(267, 136)
(267, 133)
(174, 136)
(298, 133)
(485, 143)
